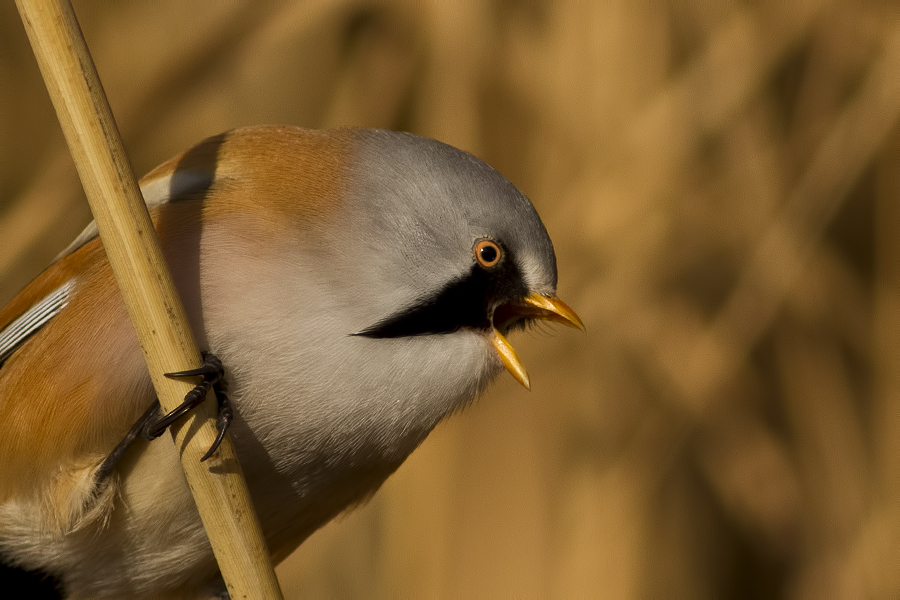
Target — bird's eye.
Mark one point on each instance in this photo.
(487, 253)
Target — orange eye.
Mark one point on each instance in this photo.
(487, 253)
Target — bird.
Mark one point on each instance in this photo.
(357, 285)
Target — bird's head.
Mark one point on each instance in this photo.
(458, 244)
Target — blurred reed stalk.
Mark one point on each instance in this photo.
(719, 179)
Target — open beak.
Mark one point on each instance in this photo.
(533, 306)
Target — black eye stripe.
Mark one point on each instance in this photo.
(463, 302)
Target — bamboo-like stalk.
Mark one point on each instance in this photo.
(148, 291)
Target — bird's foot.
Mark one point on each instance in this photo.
(213, 374)
(151, 424)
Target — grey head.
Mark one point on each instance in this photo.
(455, 239)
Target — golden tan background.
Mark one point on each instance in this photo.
(721, 180)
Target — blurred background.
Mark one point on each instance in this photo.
(722, 183)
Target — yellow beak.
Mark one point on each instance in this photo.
(533, 306)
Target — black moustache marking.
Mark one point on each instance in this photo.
(464, 302)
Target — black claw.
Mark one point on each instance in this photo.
(211, 366)
(156, 428)
(223, 420)
(213, 374)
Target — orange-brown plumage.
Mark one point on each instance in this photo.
(57, 410)
(290, 173)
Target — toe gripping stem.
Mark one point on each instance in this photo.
(213, 374)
